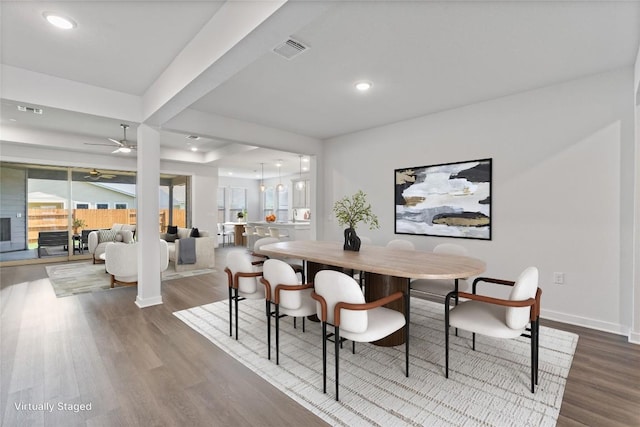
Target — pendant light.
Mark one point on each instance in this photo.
(262, 186)
(279, 187)
(300, 183)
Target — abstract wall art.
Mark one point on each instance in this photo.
(451, 199)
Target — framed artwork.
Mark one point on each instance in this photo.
(451, 199)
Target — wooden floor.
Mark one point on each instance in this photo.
(146, 367)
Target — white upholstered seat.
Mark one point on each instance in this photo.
(296, 264)
(341, 303)
(401, 244)
(441, 287)
(287, 296)
(242, 279)
(499, 318)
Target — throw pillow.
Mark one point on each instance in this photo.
(170, 237)
(106, 235)
(127, 236)
(172, 229)
(195, 232)
(119, 237)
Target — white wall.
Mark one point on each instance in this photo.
(557, 193)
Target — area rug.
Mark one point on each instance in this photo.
(486, 387)
(72, 278)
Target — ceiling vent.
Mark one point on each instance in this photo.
(290, 49)
(30, 109)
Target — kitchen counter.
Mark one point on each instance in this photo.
(299, 230)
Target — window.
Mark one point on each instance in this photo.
(283, 204)
(269, 202)
(237, 202)
(277, 203)
(102, 206)
(82, 205)
(120, 206)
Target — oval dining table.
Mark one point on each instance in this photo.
(387, 270)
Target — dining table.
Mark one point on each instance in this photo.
(386, 270)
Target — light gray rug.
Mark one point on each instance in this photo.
(488, 387)
(72, 278)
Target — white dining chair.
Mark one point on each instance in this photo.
(250, 235)
(262, 231)
(242, 280)
(278, 232)
(288, 297)
(296, 264)
(441, 287)
(499, 318)
(341, 304)
(401, 244)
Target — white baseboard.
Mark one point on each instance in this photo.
(634, 337)
(148, 302)
(586, 322)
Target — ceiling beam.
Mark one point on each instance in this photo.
(238, 34)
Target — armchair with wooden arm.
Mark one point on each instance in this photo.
(242, 279)
(288, 297)
(499, 318)
(341, 303)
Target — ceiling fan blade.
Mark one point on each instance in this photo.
(120, 143)
(93, 143)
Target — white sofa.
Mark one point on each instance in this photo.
(121, 262)
(97, 240)
(205, 249)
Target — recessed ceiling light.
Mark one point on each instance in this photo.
(363, 86)
(59, 21)
(194, 148)
(194, 137)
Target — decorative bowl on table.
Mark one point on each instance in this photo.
(270, 218)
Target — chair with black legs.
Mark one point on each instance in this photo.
(441, 287)
(297, 265)
(341, 303)
(242, 276)
(499, 318)
(288, 297)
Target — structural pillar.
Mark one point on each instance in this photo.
(148, 182)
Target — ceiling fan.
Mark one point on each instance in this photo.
(96, 175)
(123, 145)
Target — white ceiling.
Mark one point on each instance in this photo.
(422, 57)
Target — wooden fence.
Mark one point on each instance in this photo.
(56, 219)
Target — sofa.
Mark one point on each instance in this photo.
(98, 239)
(204, 248)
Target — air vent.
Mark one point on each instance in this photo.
(30, 109)
(290, 49)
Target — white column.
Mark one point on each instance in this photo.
(148, 182)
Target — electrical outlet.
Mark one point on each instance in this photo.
(558, 278)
